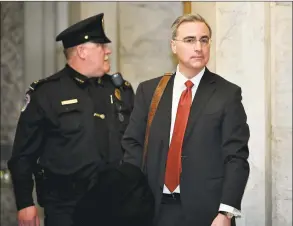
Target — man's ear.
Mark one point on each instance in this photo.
(173, 46)
(81, 51)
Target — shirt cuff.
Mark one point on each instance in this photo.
(230, 209)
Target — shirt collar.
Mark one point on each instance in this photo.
(180, 79)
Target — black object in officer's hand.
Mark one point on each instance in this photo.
(117, 79)
(40, 183)
(121, 197)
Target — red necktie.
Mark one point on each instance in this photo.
(173, 167)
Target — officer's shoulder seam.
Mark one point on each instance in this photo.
(36, 84)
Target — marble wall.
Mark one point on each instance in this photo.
(281, 115)
(252, 47)
(12, 79)
(12, 88)
(144, 43)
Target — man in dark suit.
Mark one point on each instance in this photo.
(197, 153)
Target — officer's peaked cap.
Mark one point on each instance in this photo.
(87, 30)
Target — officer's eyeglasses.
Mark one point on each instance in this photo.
(204, 41)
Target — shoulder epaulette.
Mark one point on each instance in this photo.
(168, 74)
(37, 83)
(127, 84)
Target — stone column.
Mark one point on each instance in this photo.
(12, 87)
(241, 57)
(12, 65)
(251, 47)
(144, 39)
(62, 18)
(281, 105)
(39, 37)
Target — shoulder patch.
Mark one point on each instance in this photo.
(27, 100)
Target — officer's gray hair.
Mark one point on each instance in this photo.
(188, 18)
(68, 52)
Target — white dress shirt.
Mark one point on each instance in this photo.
(178, 88)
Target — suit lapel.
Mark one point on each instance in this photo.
(204, 91)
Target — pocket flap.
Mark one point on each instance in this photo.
(68, 108)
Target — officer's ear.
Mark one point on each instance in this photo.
(81, 51)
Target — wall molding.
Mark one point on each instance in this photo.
(186, 7)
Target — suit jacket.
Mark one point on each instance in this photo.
(215, 149)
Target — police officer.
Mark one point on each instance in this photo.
(70, 127)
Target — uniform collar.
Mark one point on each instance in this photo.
(80, 78)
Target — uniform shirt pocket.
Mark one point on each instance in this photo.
(70, 118)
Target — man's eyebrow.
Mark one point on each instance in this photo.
(189, 37)
(204, 36)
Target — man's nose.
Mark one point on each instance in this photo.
(108, 50)
(197, 46)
